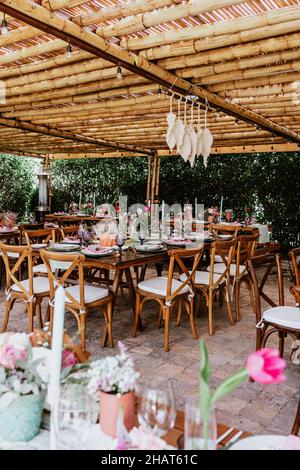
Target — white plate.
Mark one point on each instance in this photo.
(64, 247)
(149, 248)
(225, 237)
(39, 246)
(267, 442)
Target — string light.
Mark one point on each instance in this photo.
(69, 51)
(236, 122)
(119, 73)
(4, 29)
(159, 93)
(257, 128)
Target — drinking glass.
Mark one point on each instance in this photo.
(197, 436)
(73, 416)
(120, 242)
(142, 235)
(156, 410)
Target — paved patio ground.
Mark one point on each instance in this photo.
(252, 407)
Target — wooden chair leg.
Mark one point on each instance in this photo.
(190, 309)
(296, 425)
(167, 312)
(30, 311)
(82, 330)
(108, 320)
(237, 291)
(281, 343)
(210, 313)
(160, 317)
(228, 302)
(179, 314)
(6, 316)
(137, 313)
(39, 314)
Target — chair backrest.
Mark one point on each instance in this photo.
(25, 258)
(266, 265)
(179, 257)
(246, 245)
(74, 263)
(295, 258)
(68, 230)
(222, 229)
(36, 226)
(225, 249)
(39, 236)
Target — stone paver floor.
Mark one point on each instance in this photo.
(252, 407)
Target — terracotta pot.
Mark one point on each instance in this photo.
(110, 405)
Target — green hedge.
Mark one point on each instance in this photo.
(270, 183)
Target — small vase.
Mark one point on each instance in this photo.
(21, 419)
(110, 405)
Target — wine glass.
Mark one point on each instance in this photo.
(73, 416)
(120, 240)
(86, 236)
(142, 235)
(156, 410)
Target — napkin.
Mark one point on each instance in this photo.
(291, 443)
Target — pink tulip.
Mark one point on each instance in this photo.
(68, 359)
(10, 356)
(266, 366)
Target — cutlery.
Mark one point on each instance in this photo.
(225, 434)
(234, 438)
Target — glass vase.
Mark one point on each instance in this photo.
(199, 433)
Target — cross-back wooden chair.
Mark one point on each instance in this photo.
(31, 291)
(209, 283)
(278, 318)
(223, 229)
(80, 298)
(168, 291)
(66, 231)
(295, 259)
(45, 235)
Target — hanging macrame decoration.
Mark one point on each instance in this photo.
(193, 137)
(186, 147)
(207, 141)
(171, 117)
(179, 129)
(199, 135)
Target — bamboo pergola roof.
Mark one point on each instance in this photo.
(241, 58)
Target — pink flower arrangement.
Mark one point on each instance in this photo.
(10, 356)
(266, 366)
(68, 359)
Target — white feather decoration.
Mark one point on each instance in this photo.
(170, 137)
(179, 129)
(186, 146)
(199, 135)
(207, 141)
(193, 137)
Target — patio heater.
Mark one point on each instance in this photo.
(43, 205)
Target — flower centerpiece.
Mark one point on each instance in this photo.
(73, 207)
(212, 214)
(228, 215)
(264, 366)
(9, 219)
(87, 208)
(115, 378)
(22, 389)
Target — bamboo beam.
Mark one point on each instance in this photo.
(147, 20)
(198, 45)
(31, 51)
(68, 135)
(212, 30)
(121, 11)
(37, 16)
(59, 4)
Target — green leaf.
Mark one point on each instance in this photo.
(229, 385)
(205, 369)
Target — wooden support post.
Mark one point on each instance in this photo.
(157, 176)
(149, 178)
(153, 180)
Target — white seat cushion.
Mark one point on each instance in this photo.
(285, 316)
(55, 265)
(40, 285)
(202, 277)
(158, 285)
(91, 293)
(218, 259)
(219, 268)
(13, 255)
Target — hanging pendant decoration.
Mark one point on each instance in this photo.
(179, 129)
(207, 141)
(186, 147)
(199, 135)
(171, 117)
(193, 138)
